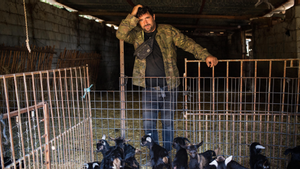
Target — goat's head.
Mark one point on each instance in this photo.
(147, 140)
(192, 149)
(221, 162)
(179, 141)
(255, 148)
(102, 144)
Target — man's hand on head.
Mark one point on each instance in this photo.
(211, 61)
(135, 9)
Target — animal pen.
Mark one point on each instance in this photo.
(51, 120)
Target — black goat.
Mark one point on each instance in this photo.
(207, 157)
(195, 158)
(295, 157)
(257, 160)
(92, 165)
(234, 165)
(181, 157)
(159, 155)
(103, 146)
(220, 162)
(112, 156)
(129, 153)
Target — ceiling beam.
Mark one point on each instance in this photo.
(163, 15)
(184, 26)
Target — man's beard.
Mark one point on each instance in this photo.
(152, 28)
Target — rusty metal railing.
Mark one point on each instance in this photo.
(248, 100)
(46, 118)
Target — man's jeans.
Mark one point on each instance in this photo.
(159, 100)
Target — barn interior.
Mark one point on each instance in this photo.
(256, 39)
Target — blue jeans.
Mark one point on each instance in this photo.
(163, 101)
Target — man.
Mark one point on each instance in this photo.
(160, 91)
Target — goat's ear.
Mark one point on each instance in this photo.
(126, 140)
(200, 144)
(149, 139)
(259, 147)
(218, 151)
(187, 140)
(228, 160)
(215, 163)
(95, 164)
(103, 137)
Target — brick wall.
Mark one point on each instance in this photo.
(51, 26)
(274, 41)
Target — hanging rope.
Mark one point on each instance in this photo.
(27, 39)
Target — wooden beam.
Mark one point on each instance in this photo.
(297, 2)
(163, 15)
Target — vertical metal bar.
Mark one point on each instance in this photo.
(74, 112)
(241, 100)
(29, 117)
(297, 105)
(58, 118)
(47, 136)
(1, 148)
(90, 111)
(42, 93)
(37, 114)
(19, 115)
(254, 100)
(83, 114)
(227, 107)
(122, 94)
(185, 96)
(78, 114)
(86, 120)
(269, 100)
(52, 117)
(65, 143)
(283, 101)
(68, 109)
(9, 122)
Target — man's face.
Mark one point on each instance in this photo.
(147, 22)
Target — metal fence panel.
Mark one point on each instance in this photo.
(47, 121)
(230, 106)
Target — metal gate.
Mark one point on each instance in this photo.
(45, 119)
(229, 106)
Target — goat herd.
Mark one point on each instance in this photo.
(122, 155)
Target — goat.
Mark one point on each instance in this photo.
(207, 157)
(103, 146)
(234, 165)
(112, 155)
(129, 152)
(159, 155)
(181, 157)
(257, 160)
(92, 165)
(295, 157)
(195, 158)
(220, 162)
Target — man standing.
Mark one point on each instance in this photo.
(158, 73)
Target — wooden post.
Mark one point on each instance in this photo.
(122, 88)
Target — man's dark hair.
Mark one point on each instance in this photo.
(144, 10)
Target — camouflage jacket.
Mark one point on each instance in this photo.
(167, 38)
